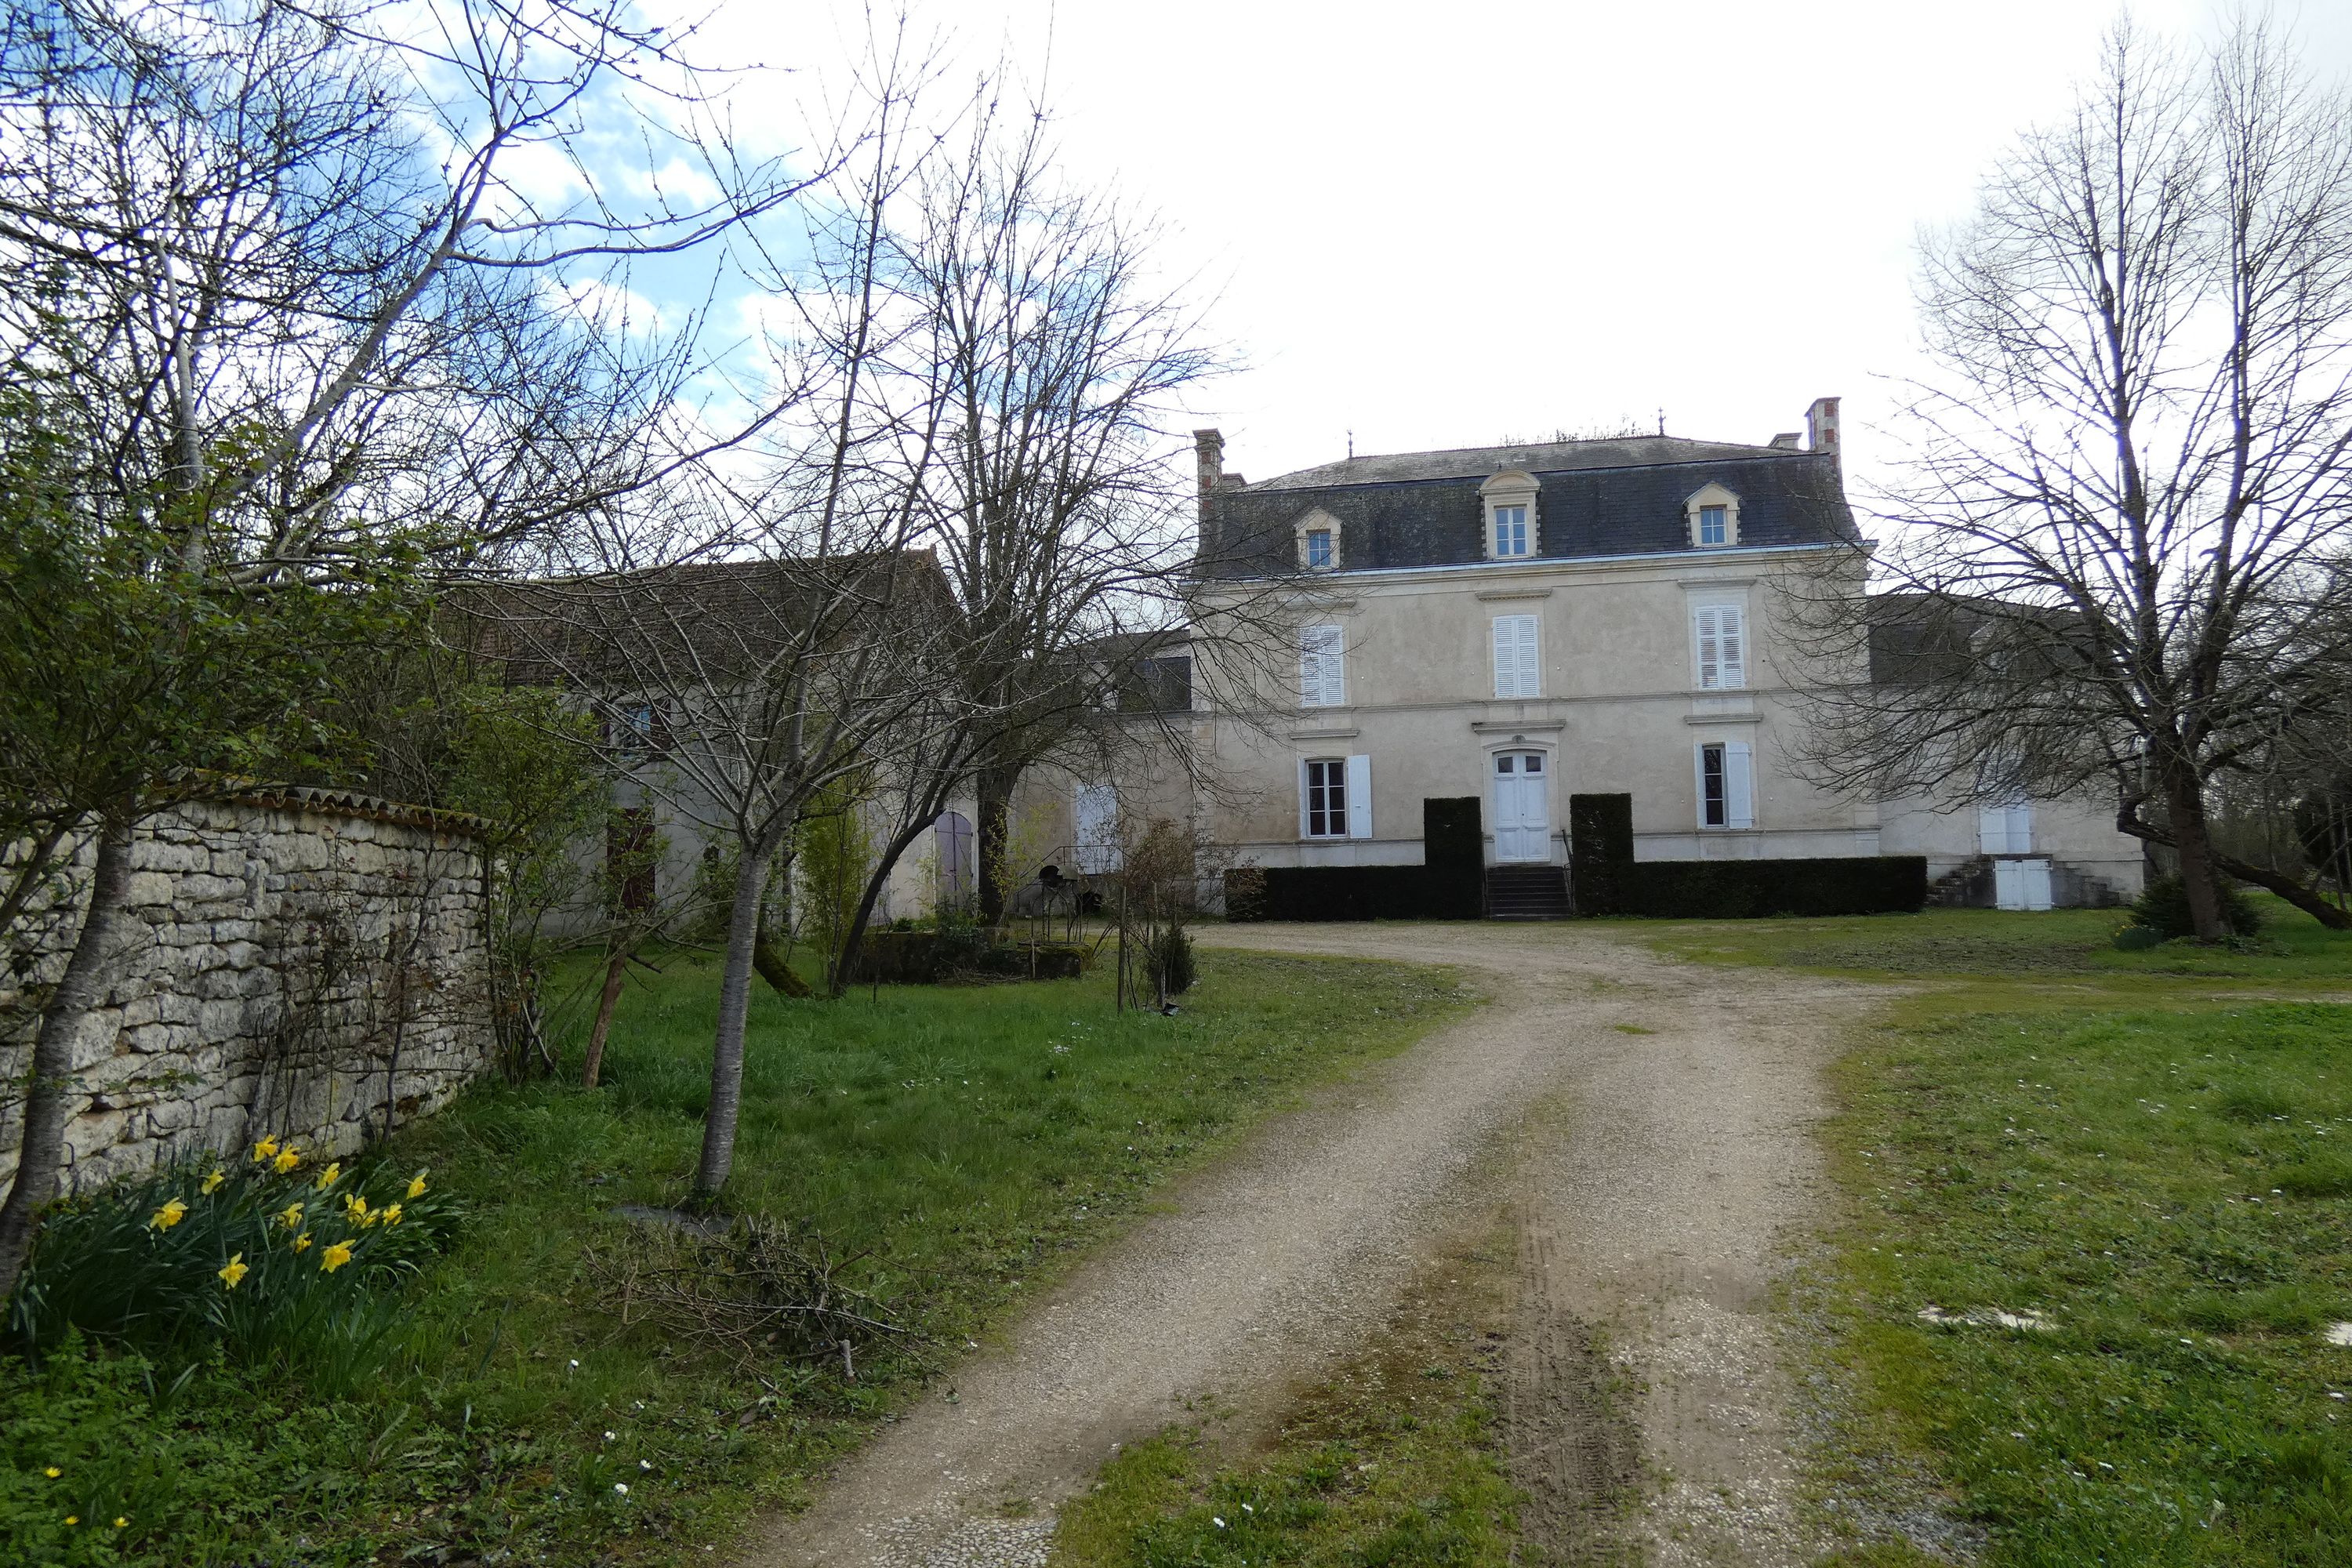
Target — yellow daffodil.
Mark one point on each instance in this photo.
(170, 1215)
(53, 1472)
(234, 1271)
(302, 1242)
(331, 1175)
(354, 1204)
(73, 1519)
(265, 1150)
(417, 1185)
(213, 1182)
(389, 1213)
(335, 1257)
(290, 1215)
(121, 1522)
(288, 1158)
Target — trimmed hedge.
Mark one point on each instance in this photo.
(1739, 889)
(1599, 850)
(1450, 883)
(926, 958)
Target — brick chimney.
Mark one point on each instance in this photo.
(1209, 448)
(1822, 426)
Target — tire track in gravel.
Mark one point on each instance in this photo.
(1653, 1172)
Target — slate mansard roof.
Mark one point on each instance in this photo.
(1594, 500)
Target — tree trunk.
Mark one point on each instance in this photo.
(50, 1101)
(615, 969)
(853, 939)
(993, 787)
(727, 1048)
(2307, 899)
(776, 969)
(2184, 807)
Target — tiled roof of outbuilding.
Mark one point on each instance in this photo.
(1594, 499)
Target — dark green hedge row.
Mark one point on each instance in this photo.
(1599, 850)
(1450, 884)
(926, 958)
(1735, 890)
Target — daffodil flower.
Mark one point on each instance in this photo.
(335, 1257)
(214, 1180)
(53, 1472)
(302, 1242)
(265, 1150)
(331, 1175)
(417, 1185)
(290, 1215)
(170, 1215)
(234, 1271)
(389, 1213)
(73, 1519)
(121, 1522)
(288, 1158)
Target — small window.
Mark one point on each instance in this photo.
(1713, 526)
(1713, 810)
(1318, 549)
(1505, 765)
(1322, 668)
(1510, 532)
(1326, 797)
(1713, 514)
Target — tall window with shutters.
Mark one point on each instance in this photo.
(1719, 633)
(1518, 662)
(1334, 798)
(1322, 668)
(1725, 775)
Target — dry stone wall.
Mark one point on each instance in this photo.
(302, 963)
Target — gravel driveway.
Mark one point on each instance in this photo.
(1649, 1121)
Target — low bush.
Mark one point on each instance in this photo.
(1169, 960)
(2163, 907)
(273, 1259)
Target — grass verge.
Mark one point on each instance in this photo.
(2151, 1176)
(959, 1142)
(1397, 1458)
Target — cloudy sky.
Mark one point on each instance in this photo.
(1449, 225)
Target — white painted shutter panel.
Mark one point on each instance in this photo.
(1992, 830)
(1359, 797)
(1738, 778)
(1302, 798)
(1710, 646)
(2021, 830)
(1322, 675)
(1732, 647)
(1506, 659)
(1530, 664)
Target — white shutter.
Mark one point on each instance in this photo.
(1322, 675)
(2021, 829)
(1738, 786)
(1302, 798)
(1708, 621)
(1733, 647)
(1359, 797)
(1518, 661)
(1992, 830)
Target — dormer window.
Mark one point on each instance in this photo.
(1318, 534)
(1511, 521)
(1713, 515)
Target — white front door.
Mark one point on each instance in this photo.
(1522, 814)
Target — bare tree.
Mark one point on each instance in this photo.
(314, 294)
(2105, 570)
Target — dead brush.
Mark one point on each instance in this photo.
(757, 1292)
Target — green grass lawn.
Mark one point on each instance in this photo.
(2114, 1145)
(960, 1143)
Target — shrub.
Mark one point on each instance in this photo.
(1168, 962)
(2163, 908)
(265, 1256)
